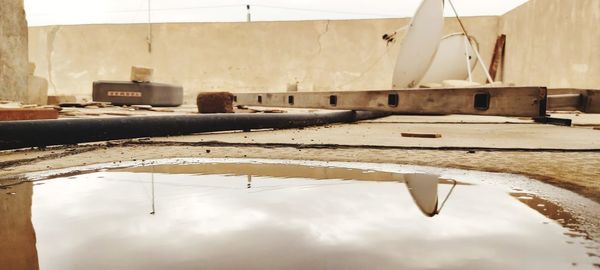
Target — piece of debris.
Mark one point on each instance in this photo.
(119, 114)
(71, 105)
(10, 105)
(274, 111)
(162, 110)
(217, 102)
(27, 114)
(141, 74)
(56, 100)
(422, 135)
(98, 104)
(142, 107)
(93, 104)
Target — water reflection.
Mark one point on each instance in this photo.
(423, 188)
(231, 219)
(17, 236)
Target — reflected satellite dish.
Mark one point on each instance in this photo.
(450, 61)
(419, 44)
(423, 188)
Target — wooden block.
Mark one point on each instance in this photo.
(422, 135)
(218, 102)
(141, 74)
(27, 114)
(56, 100)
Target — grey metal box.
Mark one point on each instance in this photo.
(134, 93)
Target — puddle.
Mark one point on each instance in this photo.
(284, 215)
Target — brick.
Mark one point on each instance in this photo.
(27, 114)
(217, 102)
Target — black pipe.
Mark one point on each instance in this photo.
(40, 133)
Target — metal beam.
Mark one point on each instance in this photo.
(565, 98)
(591, 101)
(501, 101)
(565, 102)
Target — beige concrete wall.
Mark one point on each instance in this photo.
(237, 57)
(13, 50)
(554, 43)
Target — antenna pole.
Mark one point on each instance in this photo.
(467, 58)
(149, 37)
(248, 15)
(153, 208)
(483, 66)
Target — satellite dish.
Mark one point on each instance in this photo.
(419, 44)
(450, 61)
(423, 188)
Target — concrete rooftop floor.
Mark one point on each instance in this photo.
(568, 157)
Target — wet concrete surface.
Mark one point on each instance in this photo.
(232, 214)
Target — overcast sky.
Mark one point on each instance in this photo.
(49, 12)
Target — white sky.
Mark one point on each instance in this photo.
(50, 12)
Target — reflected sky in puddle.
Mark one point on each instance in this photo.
(214, 216)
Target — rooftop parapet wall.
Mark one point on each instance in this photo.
(237, 57)
(554, 43)
(13, 50)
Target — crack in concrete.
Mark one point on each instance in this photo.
(318, 52)
(327, 23)
(50, 38)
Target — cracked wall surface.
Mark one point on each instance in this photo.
(13, 51)
(236, 57)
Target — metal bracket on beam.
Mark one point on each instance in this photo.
(554, 121)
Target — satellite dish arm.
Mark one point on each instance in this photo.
(447, 197)
(391, 37)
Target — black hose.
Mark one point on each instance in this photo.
(40, 133)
